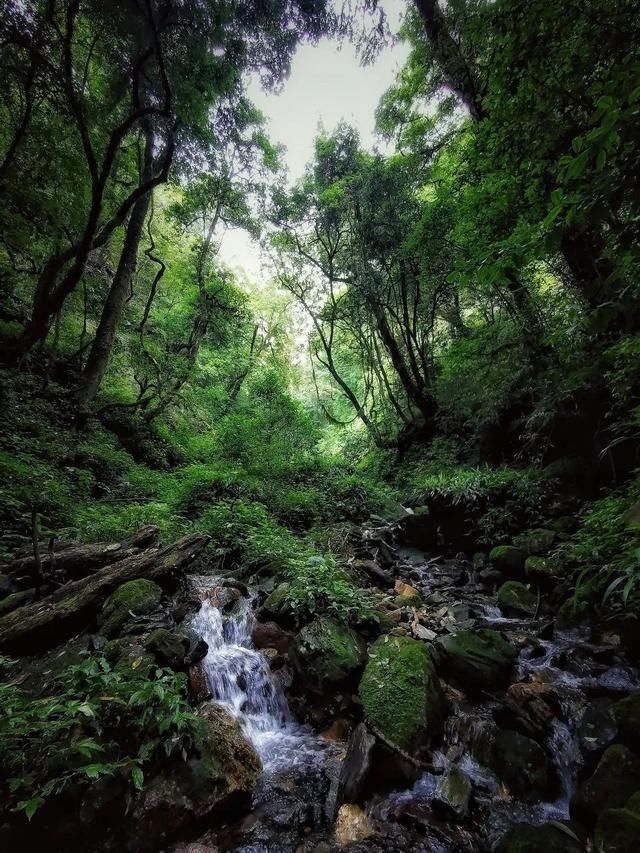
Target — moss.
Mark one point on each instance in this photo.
(277, 601)
(400, 692)
(327, 651)
(139, 596)
(541, 568)
(168, 648)
(575, 611)
(407, 601)
(536, 542)
(478, 660)
(508, 559)
(516, 600)
(618, 830)
(615, 780)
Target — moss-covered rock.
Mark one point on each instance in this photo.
(222, 772)
(478, 660)
(140, 597)
(453, 794)
(326, 652)
(168, 648)
(508, 559)
(515, 599)
(541, 569)
(276, 606)
(615, 780)
(519, 762)
(550, 838)
(626, 713)
(400, 692)
(573, 612)
(536, 542)
(618, 830)
(407, 601)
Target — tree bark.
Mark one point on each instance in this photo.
(39, 626)
(76, 561)
(98, 359)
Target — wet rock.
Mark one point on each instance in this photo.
(168, 648)
(550, 838)
(597, 728)
(327, 652)
(536, 542)
(615, 780)
(453, 794)
(508, 559)
(356, 766)
(375, 571)
(618, 830)
(220, 776)
(401, 693)
(270, 635)
(519, 762)
(139, 597)
(515, 599)
(276, 605)
(490, 577)
(477, 660)
(241, 587)
(199, 690)
(197, 651)
(626, 713)
(352, 825)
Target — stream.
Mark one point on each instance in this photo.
(289, 811)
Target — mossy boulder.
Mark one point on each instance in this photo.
(550, 837)
(519, 762)
(276, 606)
(168, 648)
(626, 713)
(615, 780)
(515, 599)
(618, 830)
(407, 601)
(575, 611)
(327, 652)
(128, 655)
(477, 660)
(401, 694)
(508, 559)
(536, 542)
(541, 569)
(220, 775)
(139, 597)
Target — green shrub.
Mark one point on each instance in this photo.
(98, 722)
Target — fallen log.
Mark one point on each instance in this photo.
(74, 561)
(43, 624)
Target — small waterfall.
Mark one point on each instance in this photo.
(242, 682)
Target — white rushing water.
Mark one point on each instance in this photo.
(242, 682)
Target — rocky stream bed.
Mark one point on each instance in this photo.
(468, 717)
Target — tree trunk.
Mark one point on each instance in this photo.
(76, 561)
(39, 626)
(98, 359)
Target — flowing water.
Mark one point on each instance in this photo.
(289, 803)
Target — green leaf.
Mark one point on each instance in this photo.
(30, 807)
(138, 777)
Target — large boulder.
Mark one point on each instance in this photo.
(477, 660)
(327, 652)
(515, 599)
(575, 611)
(519, 762)
(541, 569)
(219, 777)
(169, 648)
(276, 606)
(137, 597)
(550, 837)
(614, 781)
(400, 692)
(508, 559)
(618, 830)
(269, 635)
